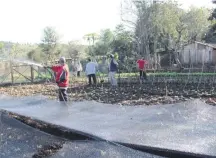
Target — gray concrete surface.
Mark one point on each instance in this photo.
(188, 127)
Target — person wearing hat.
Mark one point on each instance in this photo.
(62, 78)
(113, 67)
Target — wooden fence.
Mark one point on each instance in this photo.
(13, 73)
(16, 73)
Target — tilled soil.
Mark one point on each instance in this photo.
(125, 94)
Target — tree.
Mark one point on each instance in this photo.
(123, 42)
(119, 40)
(91, 38)
(163, 27)
(76, 50)
(103, 45)
(50, 43)
(197, 17)
(211, 34)
(1, 48)
(36, 55)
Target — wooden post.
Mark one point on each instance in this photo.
(12, 74)
(32, 74)
(11, 69)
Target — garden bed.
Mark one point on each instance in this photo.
(125, 94)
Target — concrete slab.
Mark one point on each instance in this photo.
(188, 127)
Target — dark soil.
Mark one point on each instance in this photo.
(144, 94)
(125, 94)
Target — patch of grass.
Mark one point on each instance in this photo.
(174, 74)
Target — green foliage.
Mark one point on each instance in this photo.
(91, 38)
(116, 56)
(197, 17)
(103, 45)
(50, 43)
(1, 45)
(211, 34)
(109, 42)
(123, 43)
(106, 36)
(164, 26)
(75, 50)
(36, 55)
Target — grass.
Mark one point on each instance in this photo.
(83, 77)
(174, 74)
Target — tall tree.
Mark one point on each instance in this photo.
(76, 50)
(91, 38)
(211, 34)
(197, 17)
(123, 41)
(163, 27)
(103, 45)
(50, 43)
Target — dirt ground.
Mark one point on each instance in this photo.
(125, 94)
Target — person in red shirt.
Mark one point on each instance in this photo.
(62, 78)
(141, 66)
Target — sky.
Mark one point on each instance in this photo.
(23, 20)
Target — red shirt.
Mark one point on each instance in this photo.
(62, 75)
(141, 64)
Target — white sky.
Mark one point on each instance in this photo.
(24, 20)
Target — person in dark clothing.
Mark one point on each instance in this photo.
(90, 77)
(143, 75)
(113, 67)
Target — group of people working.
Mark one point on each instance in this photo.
(62, 74)
(91, 69)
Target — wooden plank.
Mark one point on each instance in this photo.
(32, 74)
(36, 71)
(20, 65)
(11, 70)
(22, 75)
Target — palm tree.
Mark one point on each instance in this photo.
(91, 37)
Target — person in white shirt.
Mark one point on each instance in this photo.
(91, 68)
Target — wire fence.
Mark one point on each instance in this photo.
(190, 82)
(12, 73)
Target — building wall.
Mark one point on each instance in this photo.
(214, 56)
(198, 54)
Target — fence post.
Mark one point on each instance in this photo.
(32, 74)
(11, 70)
